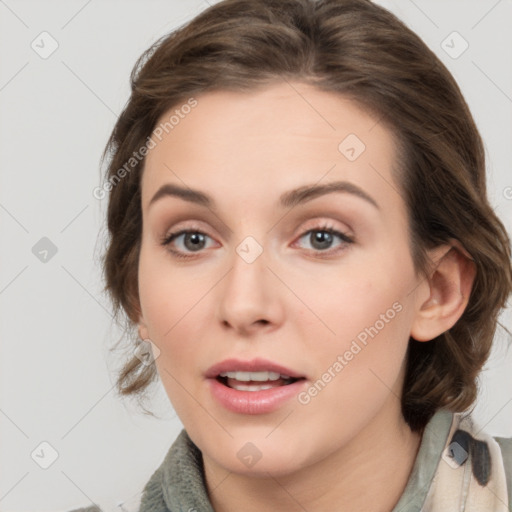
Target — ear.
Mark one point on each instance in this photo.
(449, 286)
(143, 329)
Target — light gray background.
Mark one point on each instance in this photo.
(56, 114)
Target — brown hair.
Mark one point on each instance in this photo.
(363, 52)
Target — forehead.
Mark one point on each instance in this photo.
(283, 135)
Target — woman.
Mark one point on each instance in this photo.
(299, 230)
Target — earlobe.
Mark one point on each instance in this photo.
(143, 330)
(450, 283)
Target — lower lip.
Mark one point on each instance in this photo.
(254, 402)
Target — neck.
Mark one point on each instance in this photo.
(370, 473)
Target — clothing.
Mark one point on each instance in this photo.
(458, 468)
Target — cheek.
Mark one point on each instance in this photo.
(360, 369)
(173, 304)
(367, 292)
(371, 332)
(169, 305)
(166, 294)
(362, 329)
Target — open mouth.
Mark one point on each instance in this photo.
(255, 381)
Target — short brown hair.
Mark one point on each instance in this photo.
(363, 52)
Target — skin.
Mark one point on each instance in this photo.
(349, 448)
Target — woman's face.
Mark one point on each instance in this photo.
(297, 263)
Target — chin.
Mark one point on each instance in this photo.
(256, 455)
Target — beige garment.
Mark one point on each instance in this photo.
(470, 476)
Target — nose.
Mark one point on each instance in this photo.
(249, 298)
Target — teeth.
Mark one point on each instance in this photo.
(254, 376)
(242, 387)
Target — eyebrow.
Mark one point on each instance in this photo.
(288, 199)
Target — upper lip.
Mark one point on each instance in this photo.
(254, 365)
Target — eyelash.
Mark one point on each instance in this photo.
(324, 228)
